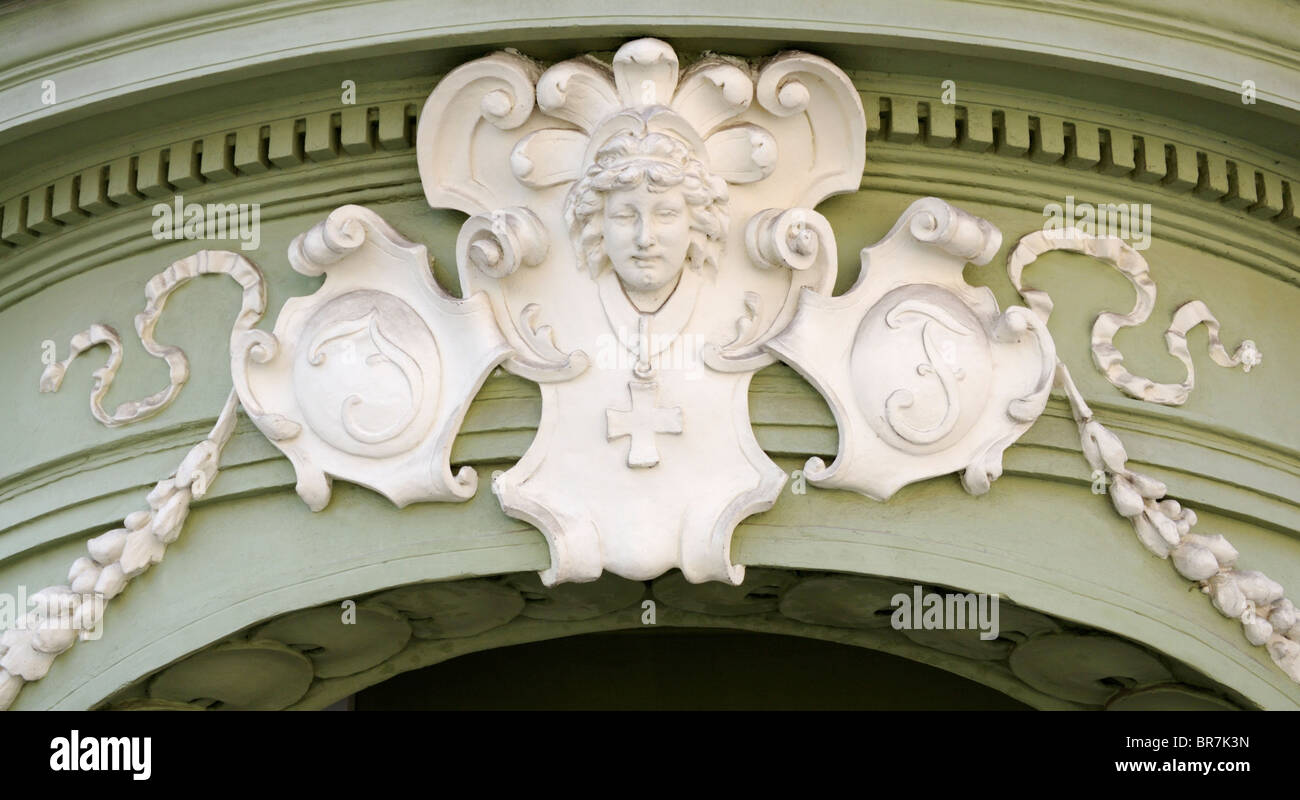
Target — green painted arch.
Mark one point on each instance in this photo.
(441, 624)
(274, 557)
(251, 551)
(141, 56)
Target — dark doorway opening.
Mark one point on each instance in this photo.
(676, 668)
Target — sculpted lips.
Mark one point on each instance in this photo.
(647, 260)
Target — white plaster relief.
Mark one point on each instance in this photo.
(642, 313)
(923, 373)
(1108, 358)
(73, 610)
(157, 290)
(1163, 525)
(368, 378)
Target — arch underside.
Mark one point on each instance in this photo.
(1066, 572)
(312, 658)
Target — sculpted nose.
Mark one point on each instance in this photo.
(644, 236)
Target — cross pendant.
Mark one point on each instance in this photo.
(641, 422)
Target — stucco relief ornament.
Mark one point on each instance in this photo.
(368, 378)
(651, 233)
(639, 244)
(924, 374)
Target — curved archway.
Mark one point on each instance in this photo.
(312, 658)
(252, 559)
(681, 669)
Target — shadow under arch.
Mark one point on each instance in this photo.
(312, 658)
(679, 669)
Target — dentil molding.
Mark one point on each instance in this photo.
(641, 240)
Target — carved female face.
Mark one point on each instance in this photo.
(647, 234)
(648, 207)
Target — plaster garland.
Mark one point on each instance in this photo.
(693, 259)
(116, 557)
(1163, 525)
(68, 612)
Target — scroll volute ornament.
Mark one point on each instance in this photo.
(369, 378)
(640, 232)
(640, 242)
(924, 375)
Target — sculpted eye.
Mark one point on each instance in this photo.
(668, 213)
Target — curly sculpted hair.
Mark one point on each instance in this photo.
(662, 161)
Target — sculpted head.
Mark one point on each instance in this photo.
(647, 207)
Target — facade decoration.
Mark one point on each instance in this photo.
(653, 232)
(640, 242)
(368, 378)
(925, 376)
(1162, 524)
(74, 610)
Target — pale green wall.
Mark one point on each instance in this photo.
(252, 550)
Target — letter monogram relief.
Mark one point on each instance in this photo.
(641, 240)
(924, 375)
(369, 378)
